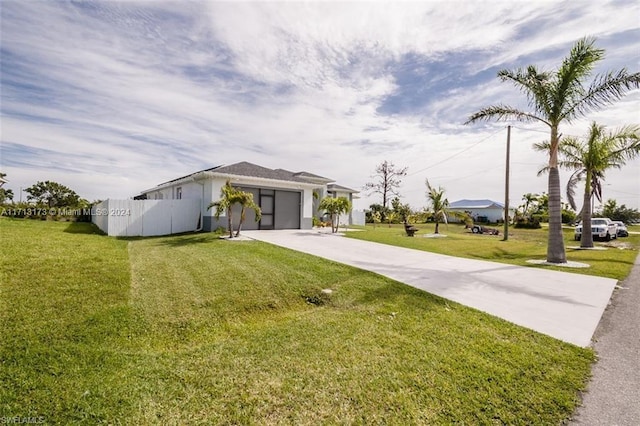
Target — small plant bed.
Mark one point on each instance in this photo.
(193, 330)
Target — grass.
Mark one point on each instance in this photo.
(193, 329)
(522, 245)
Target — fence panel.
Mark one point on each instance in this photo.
(99, 219)
(129, 218)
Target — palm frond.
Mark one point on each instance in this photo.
(534, 84)
(604, 90)
(503, 112)
(575, 68)
(576, 177)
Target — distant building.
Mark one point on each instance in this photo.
(481, 211)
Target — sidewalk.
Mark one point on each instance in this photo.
(613, 395)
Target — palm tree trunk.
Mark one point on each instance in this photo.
(241, 221)
(555, 245)
(230, 222)
(586, 240)
(437, 225)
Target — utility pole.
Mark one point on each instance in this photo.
(506, 188)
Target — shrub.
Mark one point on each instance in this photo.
(528, 223)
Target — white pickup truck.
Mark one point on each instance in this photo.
(601, 227)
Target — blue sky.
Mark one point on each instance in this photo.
(111, 98)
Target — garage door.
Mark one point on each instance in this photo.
(287, 210)
(280, 209)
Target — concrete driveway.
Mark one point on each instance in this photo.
(563, 305)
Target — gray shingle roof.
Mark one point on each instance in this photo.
(245, 168)
(335, 187)
(253, 170)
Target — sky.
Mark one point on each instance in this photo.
(111, 98)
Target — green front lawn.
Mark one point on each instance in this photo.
(193, 329)
(523, 244)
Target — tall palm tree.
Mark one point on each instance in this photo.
(557, 97)
(589, 160)
(439, 204)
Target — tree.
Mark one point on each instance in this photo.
(335, 207)
(622, 213)
(5, 194)
(224, 204)
(439, 205)
(230, 196)
(245, 199)
(589, 160)
(529, 200)
(52, 194)
(403, 211)
(387, 180)
(377, 209)
(557, 97)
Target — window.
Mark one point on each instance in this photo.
(179, 193)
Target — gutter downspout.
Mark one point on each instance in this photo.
(201, 207)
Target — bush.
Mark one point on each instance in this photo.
(528, 223)
(568, 216)
(541, 217)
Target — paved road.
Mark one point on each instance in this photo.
(613, 396)
(564, 305)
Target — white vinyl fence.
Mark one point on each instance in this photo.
(132, 218)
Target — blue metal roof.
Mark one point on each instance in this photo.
(475, 204)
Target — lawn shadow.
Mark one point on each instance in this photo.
(189, 239)
(83, 228)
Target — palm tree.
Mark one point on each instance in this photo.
(528, 199)
(335, 207)
(245, 199)
(557, 97)
(590, 160)
(224, 204)
(439, 204)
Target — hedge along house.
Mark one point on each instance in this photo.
(286, 198)
(482, 211)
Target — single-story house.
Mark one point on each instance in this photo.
(286, 198)
(480, 210)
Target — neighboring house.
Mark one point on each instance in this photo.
(285, 198)
(480, 210)
(336, 191)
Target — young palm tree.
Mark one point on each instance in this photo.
(590, 160)
(528, 199)
(557, 97)
(245, 199)
(224, 204)
(335, 207)
(439, 204)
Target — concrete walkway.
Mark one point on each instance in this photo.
(563, 305)
(613, 395)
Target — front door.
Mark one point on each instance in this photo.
(267, 203)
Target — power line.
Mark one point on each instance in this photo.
(456, 154)
(545, 132)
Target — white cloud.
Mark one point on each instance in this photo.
(130, 94)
